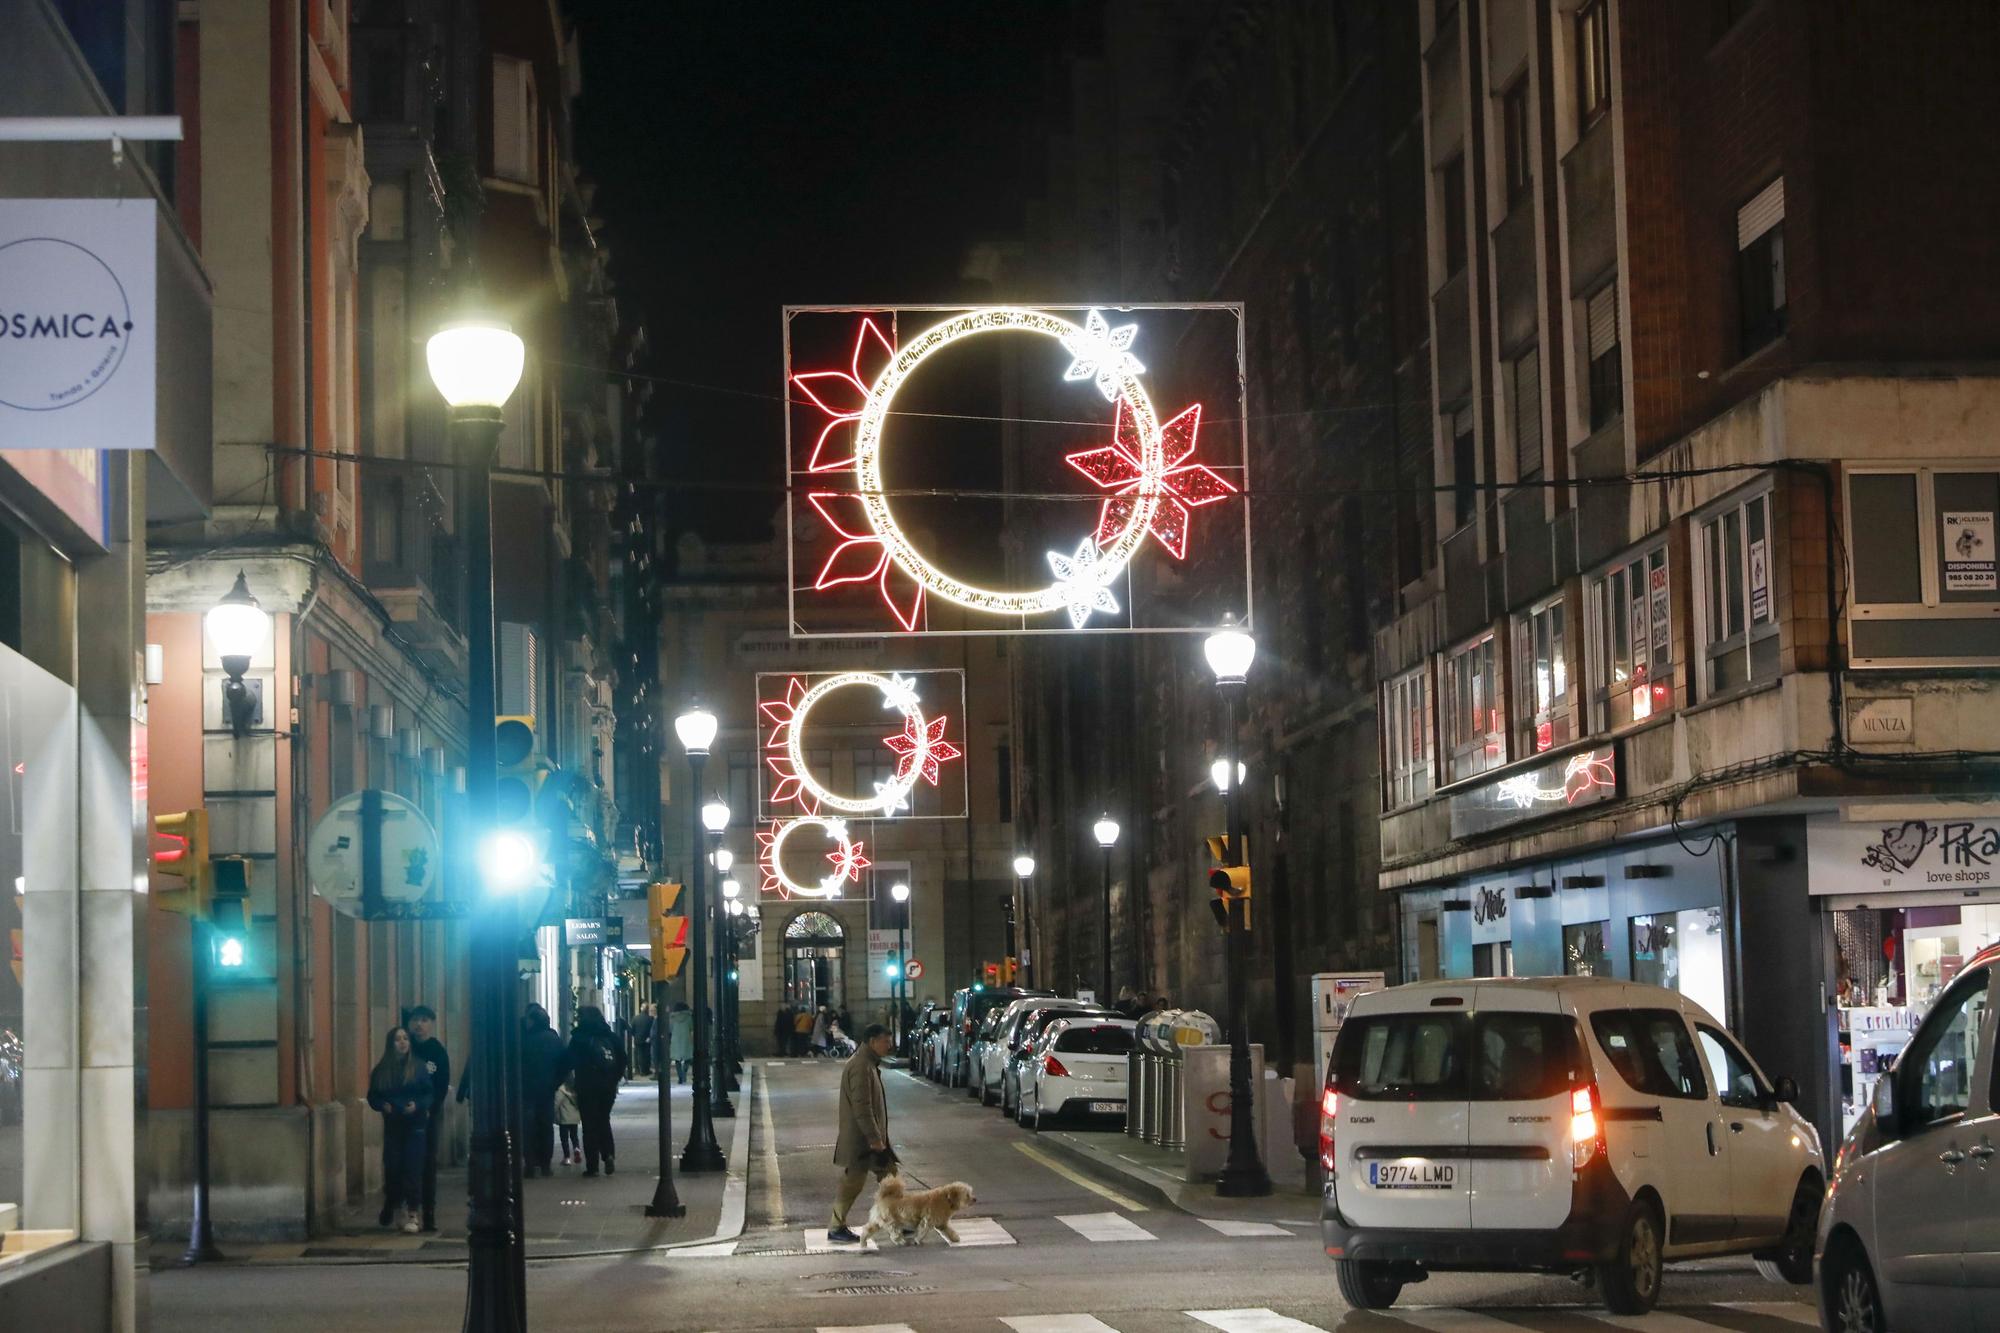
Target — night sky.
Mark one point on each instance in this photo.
(753, 154)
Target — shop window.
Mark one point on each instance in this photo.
(1922, 565)
(1735, 1078)
(1605, 356)
(1493, 960)
(1632, 642)
(1681, 951)
(1593, 61)
(1937, 1067)
(1760, 268)
(1541, 675)
(1651, 1051)
(516, 124)
(1524, 407)
(1407, 738)
(1739, 599)
(1587, 949)
(1475, 721)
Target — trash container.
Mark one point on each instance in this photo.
(1185, 1028)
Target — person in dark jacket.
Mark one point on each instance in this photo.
(599, 1062)
(422, 1022)
(781, 1030)
(542, 1068)
(641, 1046)
(400, 1088)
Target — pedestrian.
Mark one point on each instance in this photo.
(821, 1021)
(642, 1040)
(568, 1120)
(781, 1030)
(802, 1030)
(400, 1088)
(862, 1145)
(542, 1057)
(422, 1023)
(599, 1063)
(680, 1040)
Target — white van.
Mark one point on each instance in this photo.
(1576, 1125)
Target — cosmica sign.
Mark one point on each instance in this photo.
(76, 323)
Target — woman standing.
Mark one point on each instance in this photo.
(400, 1088)
(680, 1040)
(599, 1063)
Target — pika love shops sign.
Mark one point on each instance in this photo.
(77, 323)
(1946, 854)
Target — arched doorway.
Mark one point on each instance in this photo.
(814, 950)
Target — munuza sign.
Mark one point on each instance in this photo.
(1945, 854)
(77, 323)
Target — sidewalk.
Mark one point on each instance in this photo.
(565, 1215)
(1154, 1174)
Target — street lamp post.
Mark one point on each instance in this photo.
(1230, 652)
(900, 989)
(475, 365)
(1106, 829)
(696, 729)
(1024, 870)
(731, 1039)
(715, 818)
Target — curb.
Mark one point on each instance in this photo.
(1146, 1187)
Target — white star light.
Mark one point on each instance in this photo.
(899, 693)
(1077, 580)
(892, 796)
(1102, 353)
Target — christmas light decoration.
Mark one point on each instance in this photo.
(847, 858)
(920, 747)
(1583, 772)
(1147, 468)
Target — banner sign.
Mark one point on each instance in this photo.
(77, 323)
(1947, 854)
(1567, 782)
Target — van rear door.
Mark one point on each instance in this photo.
(1401, 1120)
(1524, 1066)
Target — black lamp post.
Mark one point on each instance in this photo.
(729, 1039)
(1106, 829)
(475, 365)
(696, 729)
(899, 980)
(715, 818)
(1024, 870)
(1230, 652)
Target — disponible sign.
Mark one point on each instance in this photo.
(1903, 856)
(1566, 783)
(77, 323)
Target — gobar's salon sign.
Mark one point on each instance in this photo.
(76, 323)
(1947, 854)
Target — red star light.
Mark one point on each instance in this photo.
(841, 394)
(1184, 485)
(849, 861)
(862, 558)
(930, 748)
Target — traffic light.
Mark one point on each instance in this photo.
(229, 910)
(669, 932)
(183, 854)
(993, 974)
(1230, 882)
(517, 751)
(1008, 967)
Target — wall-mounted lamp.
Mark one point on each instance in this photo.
(237, 626)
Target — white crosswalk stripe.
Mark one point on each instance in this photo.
(1058, 1323)
(866, 1328)
(971, 1231)
(1659, 1321)
(1230, 1227)
(1252, 1321)
(981, 1231)
(1786, 1310)
(1104, 1228)
(1440, 1320)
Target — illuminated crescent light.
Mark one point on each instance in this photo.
(920, 748)
(1137, 468)
(848, 860)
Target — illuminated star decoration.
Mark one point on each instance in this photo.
(841, 394)
(863, 557)
(1078, 579)
(921, 747)
(1186, 485)
(848, 862)
(791, 784)
(847, 857)
(1102, 353)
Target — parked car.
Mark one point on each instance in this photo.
(1021, 1051)
(1579, 1125)
(989, 1056)
(1910, 1233)
(969, 1007)
(982, 1038)
(1079, 1070)
(12, 1070)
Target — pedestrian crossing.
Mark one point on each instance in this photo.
(1722, 1317)
(1096, 1228)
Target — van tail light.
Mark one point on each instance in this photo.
(1586, 1126)
(1329, 1116)
(1055, 1068)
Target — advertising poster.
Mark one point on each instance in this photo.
(1968, 550)
(1760, 581)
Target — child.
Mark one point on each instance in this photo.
(568, 1118)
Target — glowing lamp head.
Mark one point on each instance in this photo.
(476, 363)
(696, 728)
(730, 888)
(1218, 773)
(237, 625)
(1230, 652)
(891, 970)
(730, 904)
(724, 858)
(900, 892)
(508, 860)
(1106, 829)
(1024, 865)
(715, 816)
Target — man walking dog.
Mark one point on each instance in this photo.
(863, 1145)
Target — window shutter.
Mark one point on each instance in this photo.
(513, 136)
(1603, 321)
(520, 671)
(1761, 214)
(1528, 413)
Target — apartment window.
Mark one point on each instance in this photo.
(1474, 719)
(1632, 643)
(1607, 369)
(1451, 200)
(1464, 469)
(1406, 731)
(1922, 565)
(1739, 602)
(1541, 675)
(1760, 267)
(514, 121)
(1524, 406)
(1514, 131)
(1593, 62)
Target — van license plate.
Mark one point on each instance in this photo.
(1412, 1175)
(1106, 1107)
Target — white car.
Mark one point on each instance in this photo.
(990, 1056)
(1579, 1125)
(1079, 1069)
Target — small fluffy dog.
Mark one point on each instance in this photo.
(909, 1213)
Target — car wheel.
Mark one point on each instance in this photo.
(1631, 1281)
(1792, 1262)
(986, 1097)
(1367, 1285)
(1853, 1303)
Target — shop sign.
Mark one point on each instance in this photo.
(1887, 720)
(77, 323)
(1567, 782)
(1903, 856)
(579, 930)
